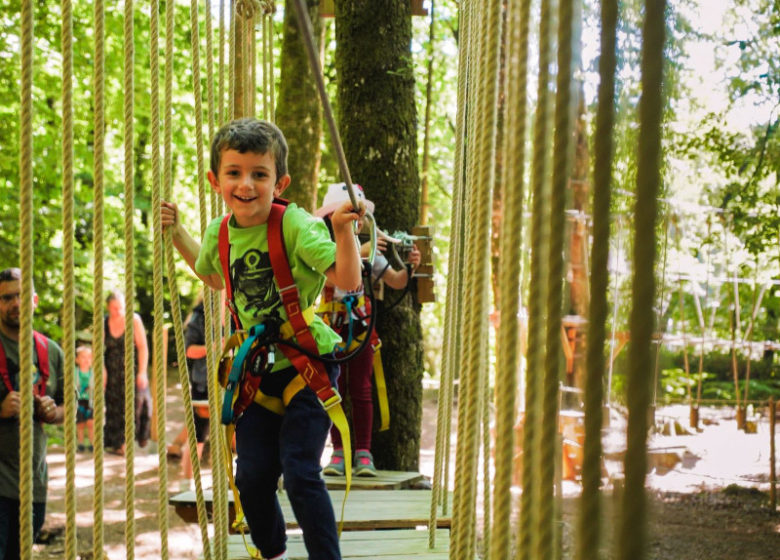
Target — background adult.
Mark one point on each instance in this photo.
(114, 377)
(48, 359)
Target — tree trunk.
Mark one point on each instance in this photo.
(378, 126)
(298, 110)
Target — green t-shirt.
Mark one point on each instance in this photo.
(310, 251)
(9, 427)
(83, 384)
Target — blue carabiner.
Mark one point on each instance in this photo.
(235, 372)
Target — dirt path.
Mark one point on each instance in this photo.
(711, 504)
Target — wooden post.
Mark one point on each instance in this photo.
(772, 473)
(424, 274)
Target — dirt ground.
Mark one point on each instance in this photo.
(708, 494)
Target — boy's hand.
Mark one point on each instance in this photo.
(345, 214)
(169, 215)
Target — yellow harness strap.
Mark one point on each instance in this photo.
(337, 416)
(277, 406)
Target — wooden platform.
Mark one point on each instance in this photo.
(365, 509)
(400, 544)
(384, 480)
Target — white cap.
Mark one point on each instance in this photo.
(337, 195)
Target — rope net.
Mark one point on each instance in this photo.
(490, 38)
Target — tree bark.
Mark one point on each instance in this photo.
(378, 126)
(298, 110)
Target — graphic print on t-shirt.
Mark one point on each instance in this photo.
(253, 281)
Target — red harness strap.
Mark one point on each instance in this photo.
(312, 371)
(42, 351)
(224, 258)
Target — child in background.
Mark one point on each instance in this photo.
(355, 378)
(84, 388)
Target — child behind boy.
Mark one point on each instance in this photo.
(356, 373)
(249, 169)
(84, 388)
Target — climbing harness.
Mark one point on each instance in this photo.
(42, 351)
(249, 354)
(355, 311)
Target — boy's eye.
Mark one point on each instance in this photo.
(259, 174)
(232, 173)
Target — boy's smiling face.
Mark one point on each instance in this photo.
(248, 184)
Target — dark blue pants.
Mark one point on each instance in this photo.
(269, 445)
(9, 526)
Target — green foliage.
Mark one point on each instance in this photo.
(758, 390)
(676, 385)
(47, 157)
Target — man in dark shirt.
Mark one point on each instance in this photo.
(48, 397)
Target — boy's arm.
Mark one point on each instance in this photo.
(187, 247)
(345, 272)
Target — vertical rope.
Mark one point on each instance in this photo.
(219, 486)
(269, 20)
(548, 441)
(181, 350)
(632, 538)
(538, 293)
(250, 77)
(439, 491)
(223, 116)
(210, 70)
(160, 367)
(253, 45)
(462, 512)
(426, 159)
(589, 522)
(68, 295)
(264, 38)
(509, 279)
(130, 353)
(97, 276)
(487, 479)
(26, 264)
(233, 110)
(477, 271)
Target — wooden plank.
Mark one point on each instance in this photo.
(365, 509)
(365, 545)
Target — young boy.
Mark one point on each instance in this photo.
(357, 372)
(249, 169)
(84, 388)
